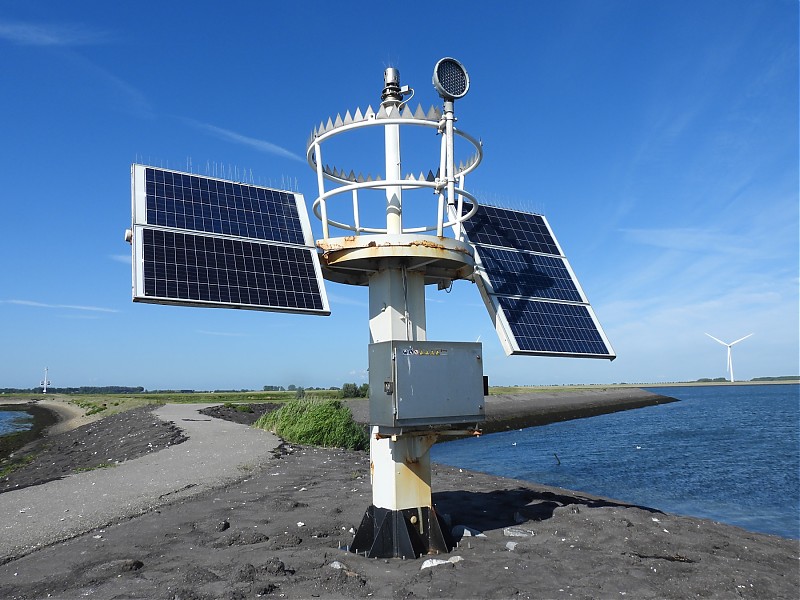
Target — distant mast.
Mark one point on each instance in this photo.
(44, 383)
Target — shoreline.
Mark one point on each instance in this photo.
(50, 417)
(43, 418)
(518, 411)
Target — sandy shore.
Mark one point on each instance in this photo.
(275, 530)
(68, 416)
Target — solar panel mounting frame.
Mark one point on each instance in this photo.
(500, 317)
(306, 250)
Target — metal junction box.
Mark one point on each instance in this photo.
(425, 383)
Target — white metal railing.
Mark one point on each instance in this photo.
(450, 196)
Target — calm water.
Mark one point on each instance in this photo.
(14, 420)
(731, 454)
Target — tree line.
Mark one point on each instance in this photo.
(348, 390)
(107, 389)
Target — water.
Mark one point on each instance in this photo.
(730, 454)
(14, 420)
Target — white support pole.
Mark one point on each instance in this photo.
(356, 216)
(401, 473)
(394, 194)
(448, 133)
(440, 213)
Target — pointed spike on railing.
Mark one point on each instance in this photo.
(369, 113)
(347, 118)
(352, 176)
(360, 178)
(327, 169)
(419, 113)
(358, 116)
(338, 122)
(434, 114)
(369, 177)
(382, 114)
(407, 114)
(430, 176)
(329, 125)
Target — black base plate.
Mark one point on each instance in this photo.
(407, 533)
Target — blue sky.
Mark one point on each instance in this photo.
(660, 138)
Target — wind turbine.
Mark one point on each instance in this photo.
(730, 362)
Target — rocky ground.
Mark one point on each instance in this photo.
(99, 444)
(279, 532)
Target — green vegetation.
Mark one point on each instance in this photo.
(239, 407)
(102, 465)
(10, 465)
(108, 389)
(326, 423)
(351, 390)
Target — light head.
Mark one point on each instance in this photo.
(450, 79)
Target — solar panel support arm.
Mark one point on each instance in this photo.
(439, 191)
(448, 118)
(321, 183)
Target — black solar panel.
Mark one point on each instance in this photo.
(510, 229)
(529, 287)
(208, 242)
(524, 274)
(553, 328)
(198, 203)
(183, 266)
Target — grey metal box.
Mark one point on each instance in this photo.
(425, 383)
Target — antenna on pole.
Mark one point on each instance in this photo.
(44, 383)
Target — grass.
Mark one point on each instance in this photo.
(326, 423)
(102, 465)
(15, 463)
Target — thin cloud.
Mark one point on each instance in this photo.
(222, 333)
(337, 299)
(67, 36)
(238, 138)
(131, 97)
(35, 304)
(686, 239)
(123, 258)
(33, 34)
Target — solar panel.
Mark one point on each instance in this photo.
(529, 287)
(202, 241)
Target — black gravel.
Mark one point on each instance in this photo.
(246, 414)
(111, 440)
